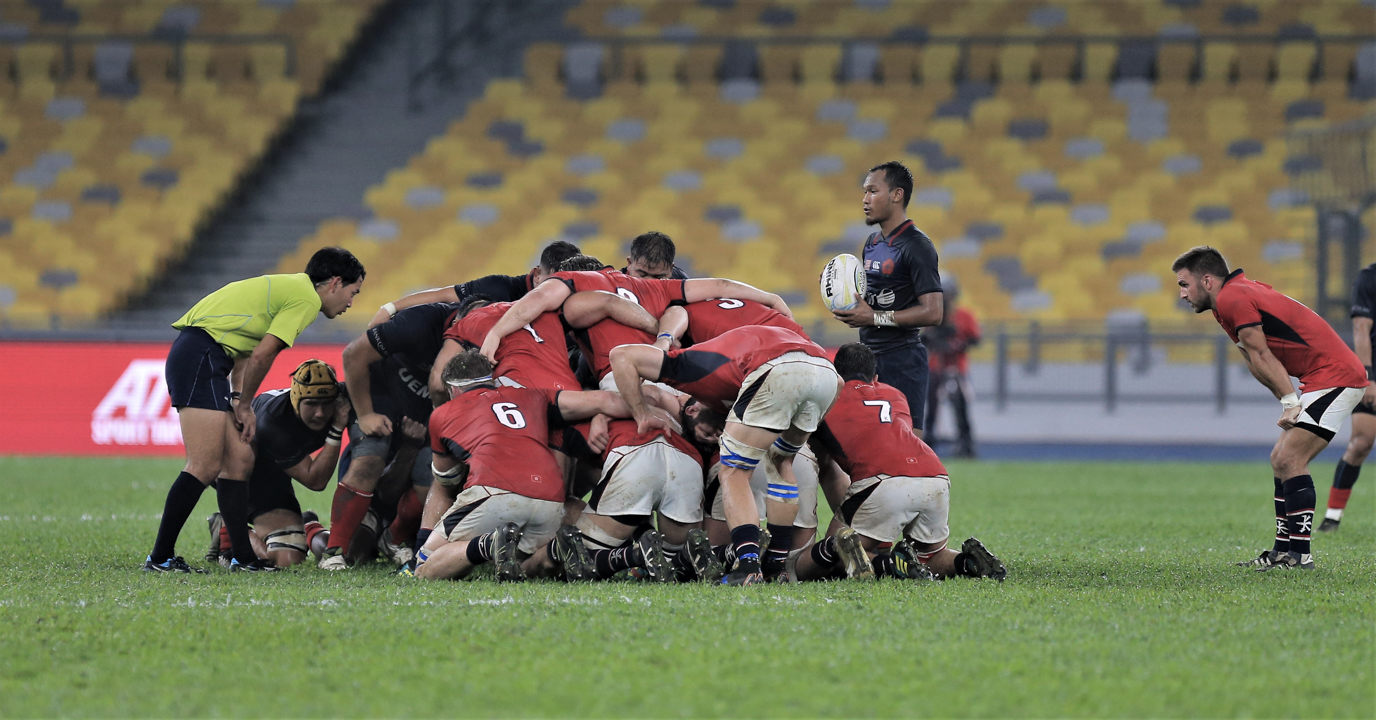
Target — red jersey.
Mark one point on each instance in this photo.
(711, 318)
(535, 356)
(502, 434)
(1306, 345)
(650, 293)
(623, 433)
(714, 371)
(869, 432)
(946, 347)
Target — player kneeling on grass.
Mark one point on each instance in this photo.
(493, 441)
(900, 493)
(1280, 338)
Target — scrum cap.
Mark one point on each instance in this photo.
(313, 380)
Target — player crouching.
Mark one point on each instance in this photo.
(492, 441)
(900, 489)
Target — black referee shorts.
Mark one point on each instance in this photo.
(197, 372)
(906, 369)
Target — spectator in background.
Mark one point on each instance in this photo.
(950, 368)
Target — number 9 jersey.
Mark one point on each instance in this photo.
(869, 432)
(502, 434)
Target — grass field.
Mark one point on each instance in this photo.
(1121, 600)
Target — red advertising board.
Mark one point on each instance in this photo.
(96, 398)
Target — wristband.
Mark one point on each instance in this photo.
(884, 318)
(1369, 377)
(1290, 401)
(670, 336)
(333, 441)
(391, 309)
(235, 395)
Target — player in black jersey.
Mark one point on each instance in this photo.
(1364, 415)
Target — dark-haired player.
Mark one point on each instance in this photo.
(903, 286)
(775, 387)
(227, 344)
(497, 288)
(1280, 338)
(899, 490)
(652, 256)
(1364, 415)
(492, 441)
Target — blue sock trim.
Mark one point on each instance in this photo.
(783, 492)
(739, 462)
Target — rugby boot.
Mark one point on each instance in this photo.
(853, 556)
(746, 572)
(333, 561)
(1290, 561)
(1328, 525)
(979, 561)
(1266, 559)
(215, 521)
(656, 564)
(906, 564)
(258, 565)
(703, 559)
(399, 554)
(170, 565)
(572, 555)
(504, 560)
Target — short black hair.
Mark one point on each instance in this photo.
(1202, 260)
(473, 302)
(898, 177)
(556, 253)
(582, 263)
(467, 365)
(855, 361)
(654, 248)
(330, 262)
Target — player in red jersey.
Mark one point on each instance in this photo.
(775, 387)
(653, 294)
(1280, 338)
(493, 440)
(712, 317)
(899, 490)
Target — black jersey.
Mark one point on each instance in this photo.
(497, 288)
(282, 440)
(408, 344)
(898, 270)
(1364, 297)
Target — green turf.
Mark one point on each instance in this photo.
(1121, 600)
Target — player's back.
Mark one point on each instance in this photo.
(626, 433)
(713, 371)
(869, 431)
(653, 294)
(712, 318)
(502, 434)
(535, 356)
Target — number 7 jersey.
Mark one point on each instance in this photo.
(502, 434)
(869, 432)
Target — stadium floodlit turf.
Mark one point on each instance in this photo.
(1121, 600)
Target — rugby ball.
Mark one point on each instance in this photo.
(843, 282)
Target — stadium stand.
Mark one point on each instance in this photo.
(125, 123)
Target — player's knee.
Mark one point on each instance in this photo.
(203, 470)
(286, 558)
(290, 539)
(1358, 448)
(737, 455)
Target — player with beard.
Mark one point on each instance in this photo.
(1280, 338)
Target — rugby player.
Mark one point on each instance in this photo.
(227, 344)
(1280, 338)
(900, 491)
(902, 286)
(652, 256)
(1364, 415)
(388, 370)
(492, 440)
(774, 386)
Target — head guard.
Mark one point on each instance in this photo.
(313, 380)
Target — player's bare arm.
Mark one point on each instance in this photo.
(700, 289)
(926, 313)
(672, 324)
(249, 376)
(314, 473)
(1269, 372)
(631, 364)
(585, 309)
(357, 357)
(547, 297)
(439, 394)
(423, 297)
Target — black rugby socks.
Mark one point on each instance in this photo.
(233, 497)
(181, 502)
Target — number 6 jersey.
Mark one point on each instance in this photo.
(502, 434)
(869, 432)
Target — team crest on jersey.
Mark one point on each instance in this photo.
(887, 267)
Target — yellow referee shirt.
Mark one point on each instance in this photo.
(239, 314)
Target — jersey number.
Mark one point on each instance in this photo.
(627, 294)
(730, 304)
(885, 409)
(508, 415)
(533, 334)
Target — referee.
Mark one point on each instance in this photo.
(902, 289)
(227, 344)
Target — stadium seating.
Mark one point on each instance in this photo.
(112, 152)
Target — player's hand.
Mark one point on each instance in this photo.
(375, 425)
(489, 348)
(599, 435)
(665, 344)
(245, 421)
(658, 419)
(342, 408)
(1289, 417)
(1369, 395)
(779, 304)
(413, 433)
(861, 316)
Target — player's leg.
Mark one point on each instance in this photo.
(1350, 467)
(960, 402)
(742, 449)
(678, 510)
(231, 489)
(354, 492)
(282, 533)
(805, 523)
(542, 524)
(906, 369)
(203, 433)
(480, 527)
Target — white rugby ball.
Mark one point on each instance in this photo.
(843, 282)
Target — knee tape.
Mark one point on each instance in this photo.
(737, 454)
(779, 488)
(595, 537)
(288, 538)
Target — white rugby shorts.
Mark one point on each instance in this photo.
(887, 507)
(792, 390)
(1326, 409)
(804, 468)
(480, 509)
(639, 479)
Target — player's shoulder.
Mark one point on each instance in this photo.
(1367, 276)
